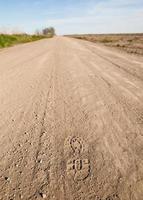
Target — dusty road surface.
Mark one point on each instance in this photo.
(71, 122)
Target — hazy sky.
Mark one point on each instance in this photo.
(72, 16)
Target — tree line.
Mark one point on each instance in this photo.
(49, 31)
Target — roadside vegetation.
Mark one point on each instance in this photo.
(131, 43)
(10, 40)
(7, 40)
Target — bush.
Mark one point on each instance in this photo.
(106, 40)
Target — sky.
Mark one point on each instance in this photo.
(72, 16)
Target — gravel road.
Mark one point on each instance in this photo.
(71, 122)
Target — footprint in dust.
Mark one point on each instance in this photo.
(76, 145)
(79, 169)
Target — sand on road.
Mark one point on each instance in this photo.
(71, 122)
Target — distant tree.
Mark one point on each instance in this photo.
(48, 31)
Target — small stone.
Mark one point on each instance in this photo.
(39, 161)
(7, 178)
(21, 196)
(43, 195)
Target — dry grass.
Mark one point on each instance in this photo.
(131, 43)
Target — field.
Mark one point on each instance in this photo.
(131, 43)
(10, 40)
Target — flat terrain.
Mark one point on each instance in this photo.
(71, 122)
(131, 43)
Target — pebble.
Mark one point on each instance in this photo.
(43, 195)
(21, 196)
(39, 161)
(7, 178)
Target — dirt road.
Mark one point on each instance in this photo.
(71, 122)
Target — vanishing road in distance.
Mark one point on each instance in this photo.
(71, 122)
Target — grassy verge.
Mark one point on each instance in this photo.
(10, 40)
